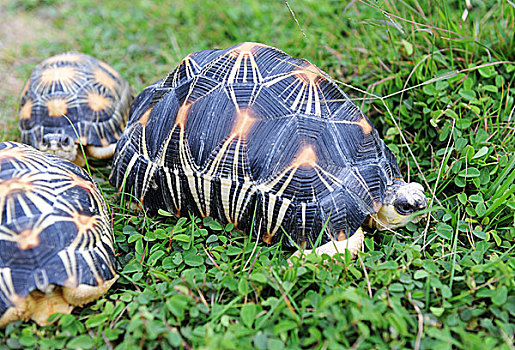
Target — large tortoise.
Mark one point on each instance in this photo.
(56, 243)
(251, 134)
(73, 98)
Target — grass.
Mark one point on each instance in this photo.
(439, 89)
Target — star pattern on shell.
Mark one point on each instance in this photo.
(249, 134)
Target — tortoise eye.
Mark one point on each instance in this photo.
(403, 207)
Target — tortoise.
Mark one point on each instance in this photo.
(252, 136)
(73, 98)
(56, 243)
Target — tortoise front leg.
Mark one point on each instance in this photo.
(353, 244)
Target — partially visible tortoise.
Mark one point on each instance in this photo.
(72, 98)
(250, 133)
(56, 243)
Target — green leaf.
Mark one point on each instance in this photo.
(215, 226)
(129, 230)
(164, 213)
(443, 230)
(479, 234)
(133, 266)
(155, 256)
(481, 152)
(174, 338)
(27, 340)
(469, 172)
(388, 265)
(462, 197)
(408, 47)
(420, 274)
(437, 311)
(81, 342)
(96, 320)
(248, 314)
(177, 304)
(430, 90)
(468, 95)
(491, 88)
(212, 238)
(258, 277)
(284, 326)
(193, 260)
(243, 286)
(480, 209)
(181, 238)
(487, 71)
(500, 296)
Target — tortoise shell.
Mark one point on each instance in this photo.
(252, 136)
(74, 94)
(55, 234)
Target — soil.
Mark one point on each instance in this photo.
(20, 32)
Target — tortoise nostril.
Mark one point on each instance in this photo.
(66, 140)
(46, 141)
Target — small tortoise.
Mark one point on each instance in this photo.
(56, 244)
(251, 133)
(72, 98)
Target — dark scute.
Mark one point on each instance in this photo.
(206, 57)
(352, 144)
(272, 61)
(272, 146)
(343, 212)
(142, 102)
(331, 97)
(209, 121)
(161, 120)
(267, 105)
(202, 88)
(376, 182)
(391, 163)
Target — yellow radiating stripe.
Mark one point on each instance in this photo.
(6, 283)
(235, 69)
(7, 235)
(165, 148)
(69, 265)
(310, 97)
(144, 143)
(206, 182)
(318, 109)
(247, 190)
(280, 217)
(280, 77)
(255, 68)
(149, 173)
(303, 217)
(225, 191)
(177, 194)
(326, 184)
(88, 257)
(129, 166)
(270, 213)
(297, 99)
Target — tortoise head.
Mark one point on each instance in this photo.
(400, 202)
(60, 145)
